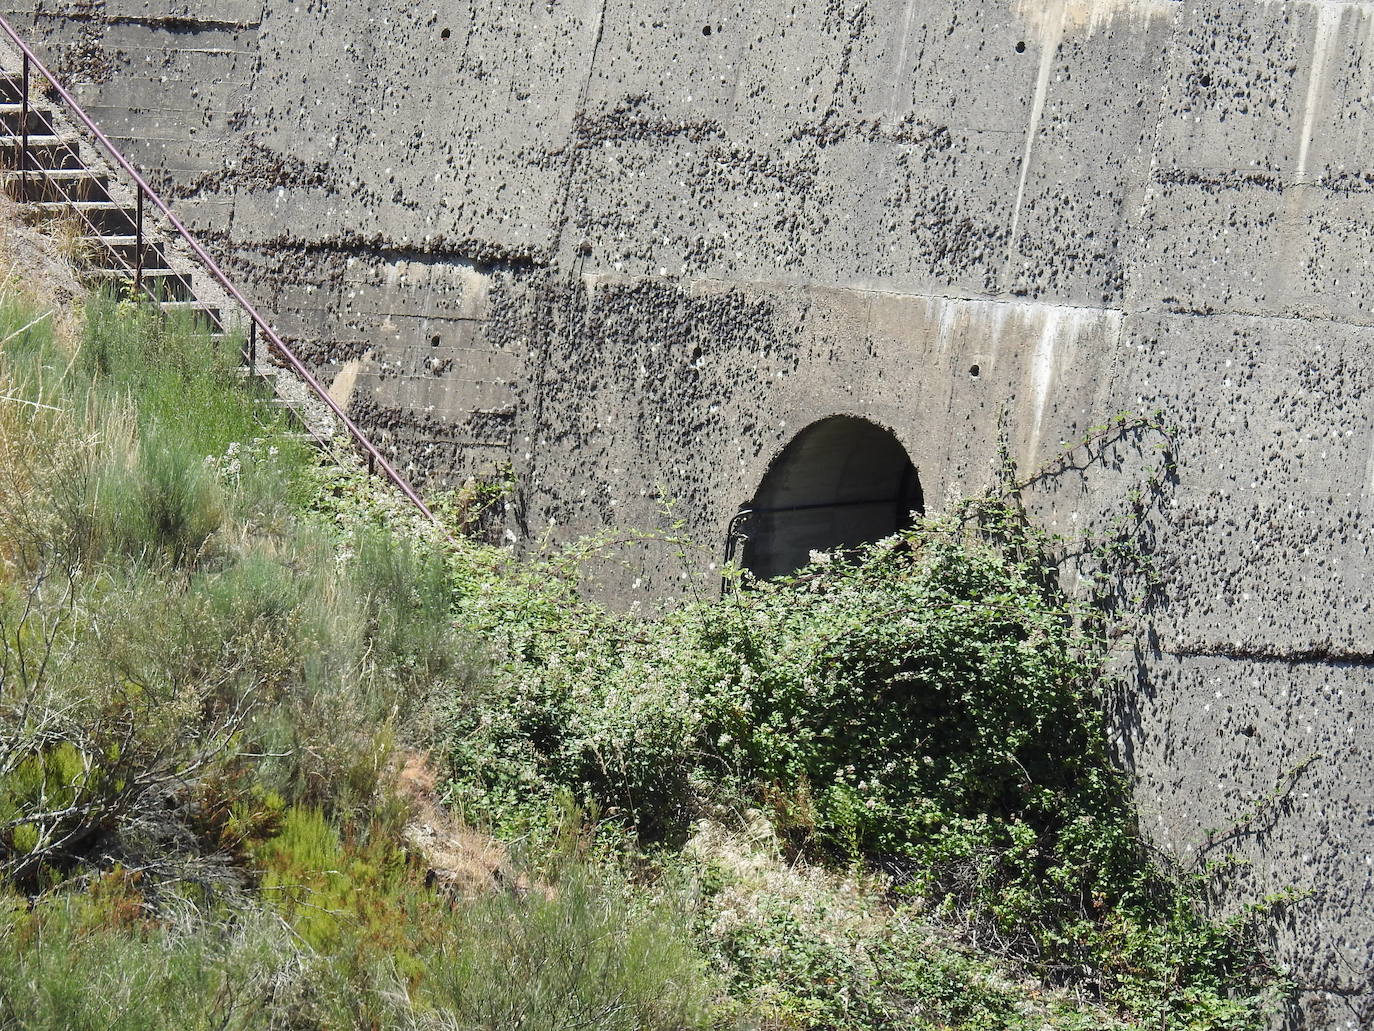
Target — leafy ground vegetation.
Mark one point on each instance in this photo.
(275, 755)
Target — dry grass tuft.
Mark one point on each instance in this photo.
(41, 269)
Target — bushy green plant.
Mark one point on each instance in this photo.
(173, 373)
(927, 704)
(193, 625)
(579, 952)
(171, 503)
(96, 962)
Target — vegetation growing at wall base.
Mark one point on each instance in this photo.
(874, 795)
(928, 708)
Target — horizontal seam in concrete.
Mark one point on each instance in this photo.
(1257, 316)
(815, 288)
(408, 316)
(156, 22)
(1299, 657)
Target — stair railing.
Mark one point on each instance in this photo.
(257, 324)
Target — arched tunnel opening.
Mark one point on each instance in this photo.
(840, 483)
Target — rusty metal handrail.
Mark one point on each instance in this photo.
(374, 456)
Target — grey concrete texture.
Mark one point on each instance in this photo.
(632, 250)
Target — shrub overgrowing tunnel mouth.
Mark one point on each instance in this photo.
(842, 482)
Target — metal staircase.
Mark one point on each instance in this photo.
(57, 164)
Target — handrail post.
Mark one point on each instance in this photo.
(252, 345)
(24, 130)
(138, 243)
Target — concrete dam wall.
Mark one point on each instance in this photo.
(637, 252)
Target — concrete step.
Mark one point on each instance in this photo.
(57, 184)
(281, 404)
(125, 250)
(45, 151)
(205, 315)
(296, 414)
(41, 119)
(263, 373)
(161, 284)
(105, 217)
(304, 438)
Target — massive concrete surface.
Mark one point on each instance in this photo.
(633, 251)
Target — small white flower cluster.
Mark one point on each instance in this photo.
(230, 464)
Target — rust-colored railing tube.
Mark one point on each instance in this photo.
(297, 366)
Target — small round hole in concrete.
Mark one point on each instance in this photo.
(706, 30)
(974, 371)
(696, 354)
(445, 34)
(434, 340)
(1021, 46)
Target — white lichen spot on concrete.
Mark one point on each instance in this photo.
(1051, 19)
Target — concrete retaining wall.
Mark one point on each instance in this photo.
(633, 251)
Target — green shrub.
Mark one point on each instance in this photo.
(580, 952)
(174, 373)
(204, 632)
(578, 949)
(94, 964)
(927, 704)
(168, 504)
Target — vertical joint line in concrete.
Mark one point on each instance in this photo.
(569, 174)
(569, 171)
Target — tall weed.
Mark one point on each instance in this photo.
(582, 953)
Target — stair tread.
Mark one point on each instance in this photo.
(38, 139)
(85, 205)
(62, 173)
(150, 271)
